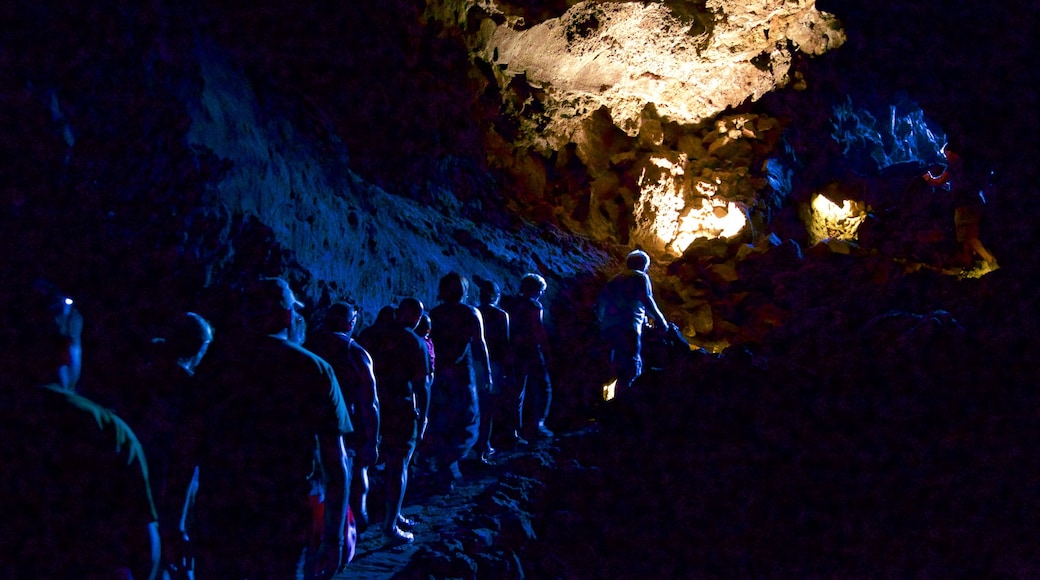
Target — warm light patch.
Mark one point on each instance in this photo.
(609, 390)
(834, 222)
(692, 63)
(676, 212)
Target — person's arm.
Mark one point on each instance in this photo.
(422, 380)
(369, 405)
(541, 336)
(334, 469)
(154, 552)
(651, 306)
(478, 346)
(135, 505)
(144, 556)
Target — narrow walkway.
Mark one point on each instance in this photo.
(433, 514)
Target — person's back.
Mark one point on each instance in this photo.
(622, 302)
(74, 492)
(270, 401)
(355, 373)
(530, 343)
(72, 489)
(266, 406)
(351, 363)
(624, 305)
(401, 369)
(496, 332)
(493, 417)
(161, 412)
(457, 332)
(452, 331)
(370, 336)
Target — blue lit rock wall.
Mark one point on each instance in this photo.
(352, 237)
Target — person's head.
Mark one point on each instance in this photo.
(409, 311)
(424, 326)
(490, 293)
(188, 339)
(532, 285)
(385, 315)
(452, 288)
(341, 317)
(42, 335)
(638, 260)
(270, 305)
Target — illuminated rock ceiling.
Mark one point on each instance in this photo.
(691, 60)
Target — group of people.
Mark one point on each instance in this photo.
(224, 441)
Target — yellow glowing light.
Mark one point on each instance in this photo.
(831, 221)
(717, 219)
(678, 212)
(608, 390)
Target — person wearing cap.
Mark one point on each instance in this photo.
(271, 402)
(75, 497)
(624, 306)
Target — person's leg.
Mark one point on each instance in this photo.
(538, 398)
(396, 485)
(625, 356)
(359, 496)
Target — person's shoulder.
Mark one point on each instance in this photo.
(359, 352)
(95, 418)
(304, 354)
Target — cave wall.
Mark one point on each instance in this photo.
(157, 152)
(154, 169)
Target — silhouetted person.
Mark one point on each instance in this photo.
(356, 376)
(161, 413)
(401, 369)
(383, 323)
(531, 349)
(496, 334)
(423, 329)
(623, 308)
(272, 402)
(462, 370)
(75, 500)
(967, 214)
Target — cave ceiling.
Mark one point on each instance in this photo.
(689, 60)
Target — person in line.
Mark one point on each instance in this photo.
(356, 376)
(383, 323)
(623, 307)
(272, 402)
(968, 202)
(496, 333)
(74, 489)
(531, 348)
(423, 329)
(161, 413)
(462, 370)
(401, 369)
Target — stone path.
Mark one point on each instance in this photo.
(432, 512)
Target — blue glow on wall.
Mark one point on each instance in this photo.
(872, 141)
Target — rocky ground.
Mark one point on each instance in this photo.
(445, 519)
